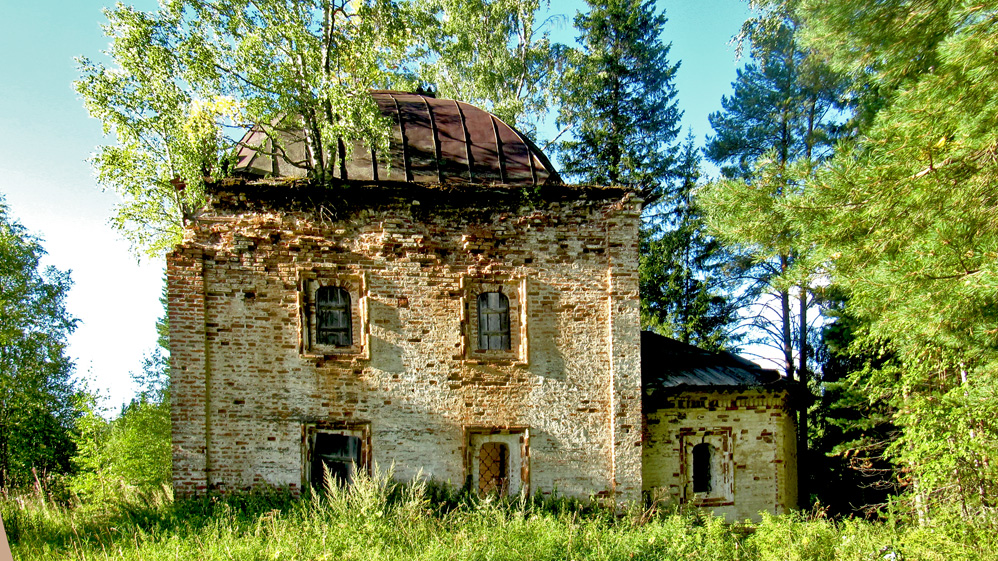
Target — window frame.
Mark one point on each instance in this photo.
(515, 291)
(342, 300)
(354, 285)
(486, 312)
(721, 469)
(516, 439)
(358, 429)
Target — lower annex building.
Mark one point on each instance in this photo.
(460, 313)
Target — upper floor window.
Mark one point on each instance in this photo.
(333, 320)
(493, 322)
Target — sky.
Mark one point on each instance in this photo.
(46, 137)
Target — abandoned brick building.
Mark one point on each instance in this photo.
(460, 313)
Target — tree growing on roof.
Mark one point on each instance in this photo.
(184, 78)
(494, 54)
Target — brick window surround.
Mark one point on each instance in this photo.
(715, 446)
(497, 459)
(356, 433)
(349, 291)
(474, 336)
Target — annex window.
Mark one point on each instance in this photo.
(708, 466)
(701, 468)
(493, 321)
(333, 319)
(498, 459)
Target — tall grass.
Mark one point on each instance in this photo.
(378, 518)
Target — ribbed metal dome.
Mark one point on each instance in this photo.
(438, 141)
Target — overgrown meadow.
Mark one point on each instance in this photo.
(381, 519)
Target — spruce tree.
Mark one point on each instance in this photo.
(619, 100)
(681, 279)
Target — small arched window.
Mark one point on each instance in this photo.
(332, 315)
(493, 321)
(701, 468)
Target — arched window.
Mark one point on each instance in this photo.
(332, 314)
(701, 468)
(493, 321)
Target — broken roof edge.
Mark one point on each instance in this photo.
(239, 194)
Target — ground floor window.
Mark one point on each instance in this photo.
(498, 460)
(708, 467)
(334, 453)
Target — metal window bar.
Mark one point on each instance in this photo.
(493, 322)
(332, 312)
(493, 468)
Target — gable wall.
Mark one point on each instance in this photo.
(759, 432)
(244, 385)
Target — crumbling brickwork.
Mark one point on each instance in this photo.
(250, 379)
(752, 437)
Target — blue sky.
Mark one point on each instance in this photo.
(46, 137)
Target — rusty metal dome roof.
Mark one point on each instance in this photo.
(438, 141)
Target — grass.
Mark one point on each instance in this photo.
(381, 519)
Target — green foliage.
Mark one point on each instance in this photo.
(133, 450)
(680, 271)
(37, 396)
(903, 217)
(183, 80)
(854, 421)
(179, 75)
(618, 97)
(382, 519)
(492, 53)
(780, 121)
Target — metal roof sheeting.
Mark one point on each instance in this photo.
(668, 364)
(438, 141)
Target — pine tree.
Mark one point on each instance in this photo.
(905, 216)
(618, 98)
(771, 134)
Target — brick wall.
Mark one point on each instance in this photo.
(246, 380)
(753, 434)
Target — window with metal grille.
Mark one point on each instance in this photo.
(493, 468)
(332, 314)
(493, 321)
(337, 454)
(701, 468)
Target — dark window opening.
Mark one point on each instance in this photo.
(332, 313)
(493, 468)
(337, 454)
(701, 468)
(493, 322)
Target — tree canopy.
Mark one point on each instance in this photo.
(183, 81)
(618, 98)
(37, 397)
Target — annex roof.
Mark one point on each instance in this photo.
(438, 141)
(670, 365)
